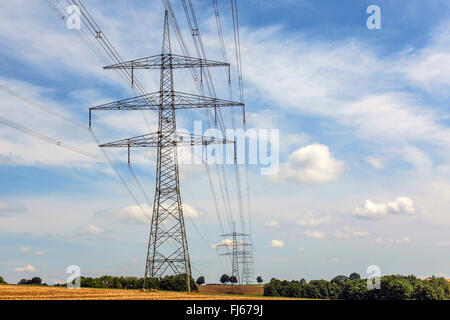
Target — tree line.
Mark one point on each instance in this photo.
(169, 283)
(392, 287)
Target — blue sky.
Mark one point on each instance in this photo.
(364, 140)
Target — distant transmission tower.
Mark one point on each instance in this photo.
(239, 254)
(168, 247)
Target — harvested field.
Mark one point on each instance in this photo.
(255, 290)
(18, 292)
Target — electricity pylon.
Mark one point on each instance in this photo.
(238, 256)
(168, 247)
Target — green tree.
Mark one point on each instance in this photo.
(200, 280)
(340, 278)
(259, 279)
(176, 283)
(354, 276)
(2, 281)
(36, 280)
(311, 291)
(224, 279)
(396, 289)
(233, 279)
(425, 291)
(273, 288)
(354, 290)
(322, 288)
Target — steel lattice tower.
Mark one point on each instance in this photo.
(239, 254)
(168, 246)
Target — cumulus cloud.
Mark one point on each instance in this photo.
(318, 235)
(27, 268)
(350, 232)
(92, 230)
(309, 220)
(26, 249)
(136, 214)
(272, 224)
(39, 253)
(276, 244)
(312, 164)
(223, 243)
(301, 248)
(9, 209)
(376, 211)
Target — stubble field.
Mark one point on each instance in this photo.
(19, 292)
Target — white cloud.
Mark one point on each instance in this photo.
(419, 159)
(26, 249)
(354, 87)
(402, 240)
(309, 220)
(429, 67)
(443, 244)
(272, 224)
(8, 209)
(376, 211)
(350, 232)
(377, 163)
(18, 148)
(223, 243)
(190, 211)
(312, 164)
(276, 244)
(27, 268)
(93, 230)
(136, 214)
(318, 235)
(39, 253)
(301, 248)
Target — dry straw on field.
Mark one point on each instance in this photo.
(18, 292)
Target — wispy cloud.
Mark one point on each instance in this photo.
(310, 220)
(318, 235)
(272, 224)
(10, 209)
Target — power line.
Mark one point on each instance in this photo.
(80, 126)
(45, 138)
